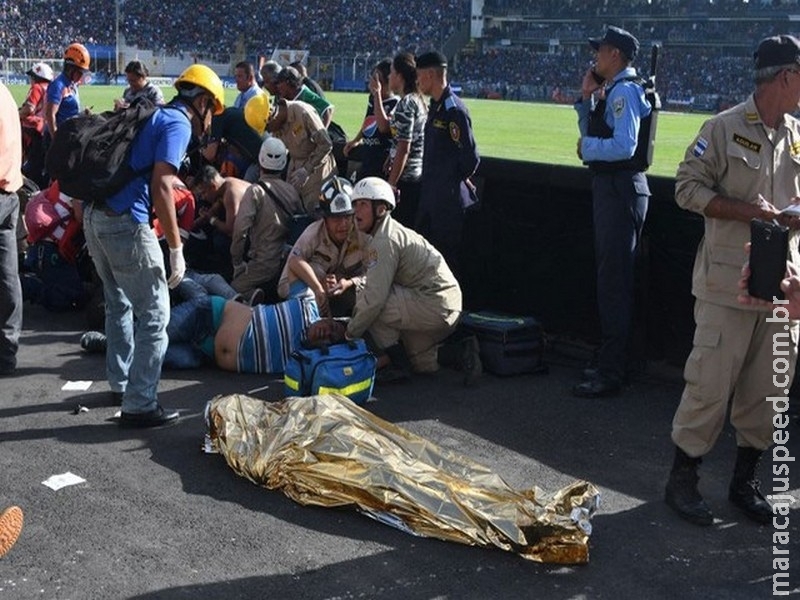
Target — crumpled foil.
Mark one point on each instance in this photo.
(326, 451)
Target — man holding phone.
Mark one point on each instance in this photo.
(743, 165)
(610, 116)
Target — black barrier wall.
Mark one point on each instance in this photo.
(529, 251)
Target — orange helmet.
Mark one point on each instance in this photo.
(77, 54)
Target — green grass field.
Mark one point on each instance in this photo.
(545, 133)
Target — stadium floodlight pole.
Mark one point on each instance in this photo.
(116, 38)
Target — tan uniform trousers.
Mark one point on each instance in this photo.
(737, 355)
(417, 322)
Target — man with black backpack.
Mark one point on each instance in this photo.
(609, 145)
(126, 252)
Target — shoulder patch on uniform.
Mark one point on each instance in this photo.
(372, 258)
(455, 132)
(751, 117)
(700, 147)
(744, 142)
(618, 106)
(449, 103)
(794, 149)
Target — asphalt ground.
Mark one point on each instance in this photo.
(157, 518)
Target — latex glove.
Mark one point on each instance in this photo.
(177, 266)
(299, 177)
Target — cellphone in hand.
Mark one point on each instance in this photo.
(599, 79)
(769, 244)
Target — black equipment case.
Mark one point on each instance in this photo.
(509, 345)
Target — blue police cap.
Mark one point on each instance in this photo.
(619, 38)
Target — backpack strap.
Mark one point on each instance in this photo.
(275, 199)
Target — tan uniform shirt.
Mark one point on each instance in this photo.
(264, 225)
(310, 147)
(737, 156)
(326, 258)
(400, 256)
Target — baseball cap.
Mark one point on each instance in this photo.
(431, 59)
(619, 38)
(777, 51)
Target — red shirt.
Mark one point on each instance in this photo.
(36, 97)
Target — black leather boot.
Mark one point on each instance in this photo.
(681, 492)
(399, 369)
(743, 491)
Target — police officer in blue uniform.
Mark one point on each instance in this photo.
(609, 125)
(449, 159)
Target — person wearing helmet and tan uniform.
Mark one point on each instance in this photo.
(311, 162)
(261, 226)
(411, 300)
(126, 252)
(31, 115)
(63, 100)
(329, 259)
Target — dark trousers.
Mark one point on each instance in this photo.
(10, 287)
(620, 206)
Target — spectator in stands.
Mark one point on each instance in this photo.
(63, 100)
(450, 158)
(311, 161)
(291, 87)
(138, 87)
(300, 67)
(31, 115)
(261, 226)
(406, 124)
(609, 146)
(245, 76)
(329, 259)
(737, 347)
(369, 149)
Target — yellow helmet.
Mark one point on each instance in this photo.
(77, 54)
(256, 112)
(203, 77)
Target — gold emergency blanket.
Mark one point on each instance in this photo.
(326, 451)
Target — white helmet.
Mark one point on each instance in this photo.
(272, 155)
(42, 71)
(375, 189)
(334, 200)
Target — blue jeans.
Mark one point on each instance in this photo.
(195, 284)
(128, 260)
(10, 288)
(190, 323)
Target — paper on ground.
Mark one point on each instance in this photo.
(56, 482)
(76, 386)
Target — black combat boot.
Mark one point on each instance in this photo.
(743, 491)
(681, 493)
(399, 369)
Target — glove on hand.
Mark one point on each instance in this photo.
(177, 266)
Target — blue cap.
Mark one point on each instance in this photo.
(619, 38)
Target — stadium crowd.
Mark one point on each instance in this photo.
(692, 66)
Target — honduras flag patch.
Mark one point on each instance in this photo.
(700, 147)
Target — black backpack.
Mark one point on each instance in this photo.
(89, 155)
